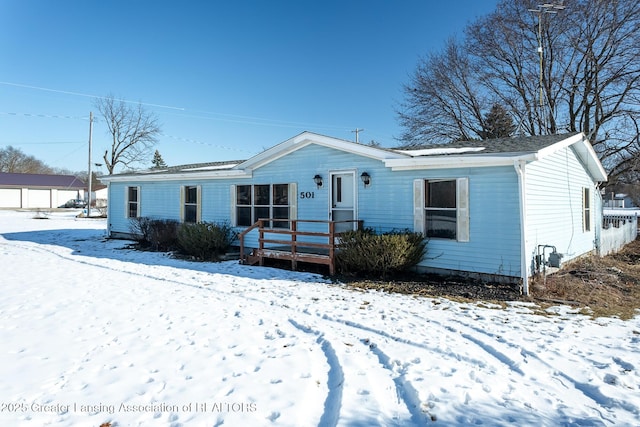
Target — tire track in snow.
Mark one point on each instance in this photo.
(335, 378)
(384, 334)
(404, 389)
(590, 391)
(489, 349)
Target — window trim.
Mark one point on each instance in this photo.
(428, 209)
(291, 205)
(586, 209)
(462, 208)
(183, 202)
(128, 201)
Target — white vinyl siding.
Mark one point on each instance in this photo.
(555, 199)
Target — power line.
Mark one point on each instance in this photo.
(86, 95)
(258, 121)
(55, 116)
(238, 118)
(47, 142)
(194, 141)
(43, 116)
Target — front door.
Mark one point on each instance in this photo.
(343, 200)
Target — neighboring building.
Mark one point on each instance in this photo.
(618, 201)
(488, 208)
(100, 195)
(25, 190)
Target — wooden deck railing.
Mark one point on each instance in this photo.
(292, 243)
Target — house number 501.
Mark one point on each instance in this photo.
(307, 195)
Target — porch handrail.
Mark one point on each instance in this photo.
(244, 233)
(264, 226)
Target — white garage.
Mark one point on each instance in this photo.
(10, 197)
(38, 191)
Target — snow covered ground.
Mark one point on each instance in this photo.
(91, 332)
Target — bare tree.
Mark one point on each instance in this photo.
(588, 78)
(442, 99)
(133, 131)
(13, 160)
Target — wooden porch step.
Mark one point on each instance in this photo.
(294, 258)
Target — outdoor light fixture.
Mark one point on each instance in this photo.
(318, 180)
(366, 178)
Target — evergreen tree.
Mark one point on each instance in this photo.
(158, 162)
(497, 123)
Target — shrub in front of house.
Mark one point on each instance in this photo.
(363, 252)
(205, 241)
(164, 234)
(140, 230)
(155, 234)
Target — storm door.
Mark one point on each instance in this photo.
(343, 200)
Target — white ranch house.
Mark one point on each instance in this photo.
(495, 208)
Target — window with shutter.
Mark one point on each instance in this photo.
(441, 208)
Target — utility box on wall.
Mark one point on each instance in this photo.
(555, 259)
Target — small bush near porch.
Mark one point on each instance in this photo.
(364, 252)
(204, 241)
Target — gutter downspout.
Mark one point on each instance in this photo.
(598, 220)
(519, 166)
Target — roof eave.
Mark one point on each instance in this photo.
(223, 174)
(308, 138)
(449, 161)
(585, 152)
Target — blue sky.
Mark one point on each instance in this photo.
(225, 79)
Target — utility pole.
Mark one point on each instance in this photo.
(90, 177)
(357, 131)
(540, 11)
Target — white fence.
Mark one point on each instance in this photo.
(617, 231)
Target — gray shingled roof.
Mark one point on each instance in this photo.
(191, 167)
(182, 168)
(40, 180)
(518, 144)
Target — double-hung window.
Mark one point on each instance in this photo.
(190, 198)
(586, 209)
(133, 202)
(441, 208)
(263, 201)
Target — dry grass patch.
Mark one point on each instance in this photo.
(600, 286)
